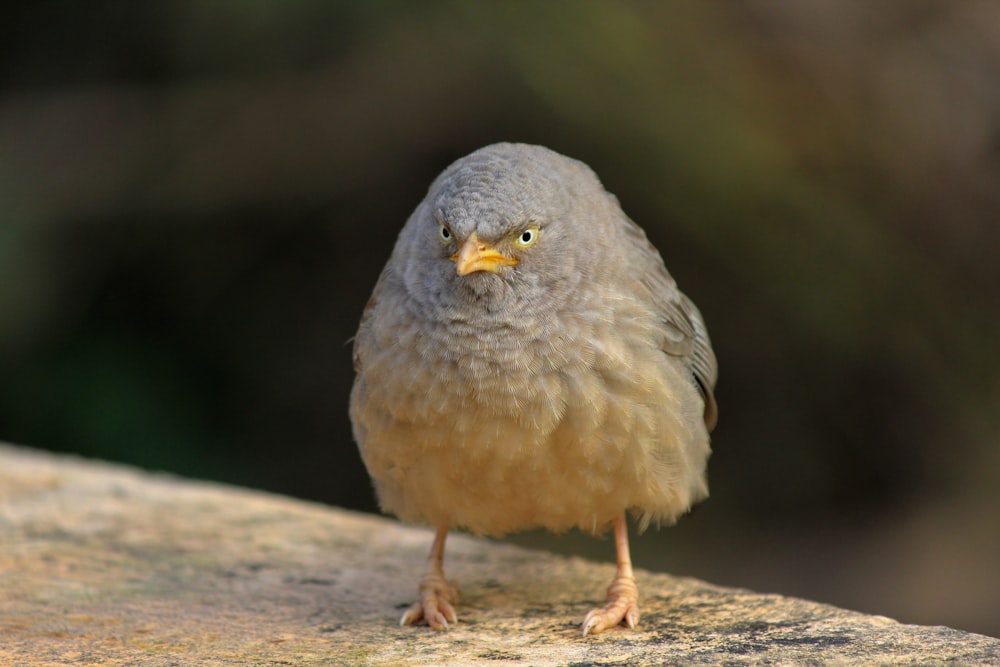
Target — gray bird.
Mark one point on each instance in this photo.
(526, 360)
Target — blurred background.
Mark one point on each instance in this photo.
(196, 198)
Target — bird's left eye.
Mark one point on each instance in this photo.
(444, 234)
(527, 238)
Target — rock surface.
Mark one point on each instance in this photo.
(105, 565)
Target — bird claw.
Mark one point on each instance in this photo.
(622, 607)
(436, 605)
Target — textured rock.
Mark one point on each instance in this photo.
(104, 565)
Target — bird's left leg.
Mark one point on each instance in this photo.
(438, 596)
(623, 595)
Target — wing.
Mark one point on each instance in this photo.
(685, 335)
(362, 336)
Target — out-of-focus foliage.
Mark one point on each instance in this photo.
(197, 197)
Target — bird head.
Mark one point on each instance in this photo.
(510, 227)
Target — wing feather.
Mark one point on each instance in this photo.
(685, 335)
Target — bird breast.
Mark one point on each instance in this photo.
(556, 422)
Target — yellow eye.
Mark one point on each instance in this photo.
(527, 238)
(444, 234)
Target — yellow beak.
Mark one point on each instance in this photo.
(474, 255)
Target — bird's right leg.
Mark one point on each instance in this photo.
(438, 596)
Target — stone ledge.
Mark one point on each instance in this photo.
(102, 564)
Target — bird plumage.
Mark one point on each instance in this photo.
(567, 382)
(541, 397)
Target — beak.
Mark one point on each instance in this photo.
(474, 255)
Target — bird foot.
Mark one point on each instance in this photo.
(436, 605)
(622, 607)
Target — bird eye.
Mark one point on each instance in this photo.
(528, 237)
(444, 234)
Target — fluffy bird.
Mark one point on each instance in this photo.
(526, 360)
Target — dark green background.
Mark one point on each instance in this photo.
(196, 198)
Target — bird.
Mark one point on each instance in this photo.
(527, 361)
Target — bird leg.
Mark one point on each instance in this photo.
(623, 595)
(438, 596)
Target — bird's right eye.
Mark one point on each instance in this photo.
(444, 234)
